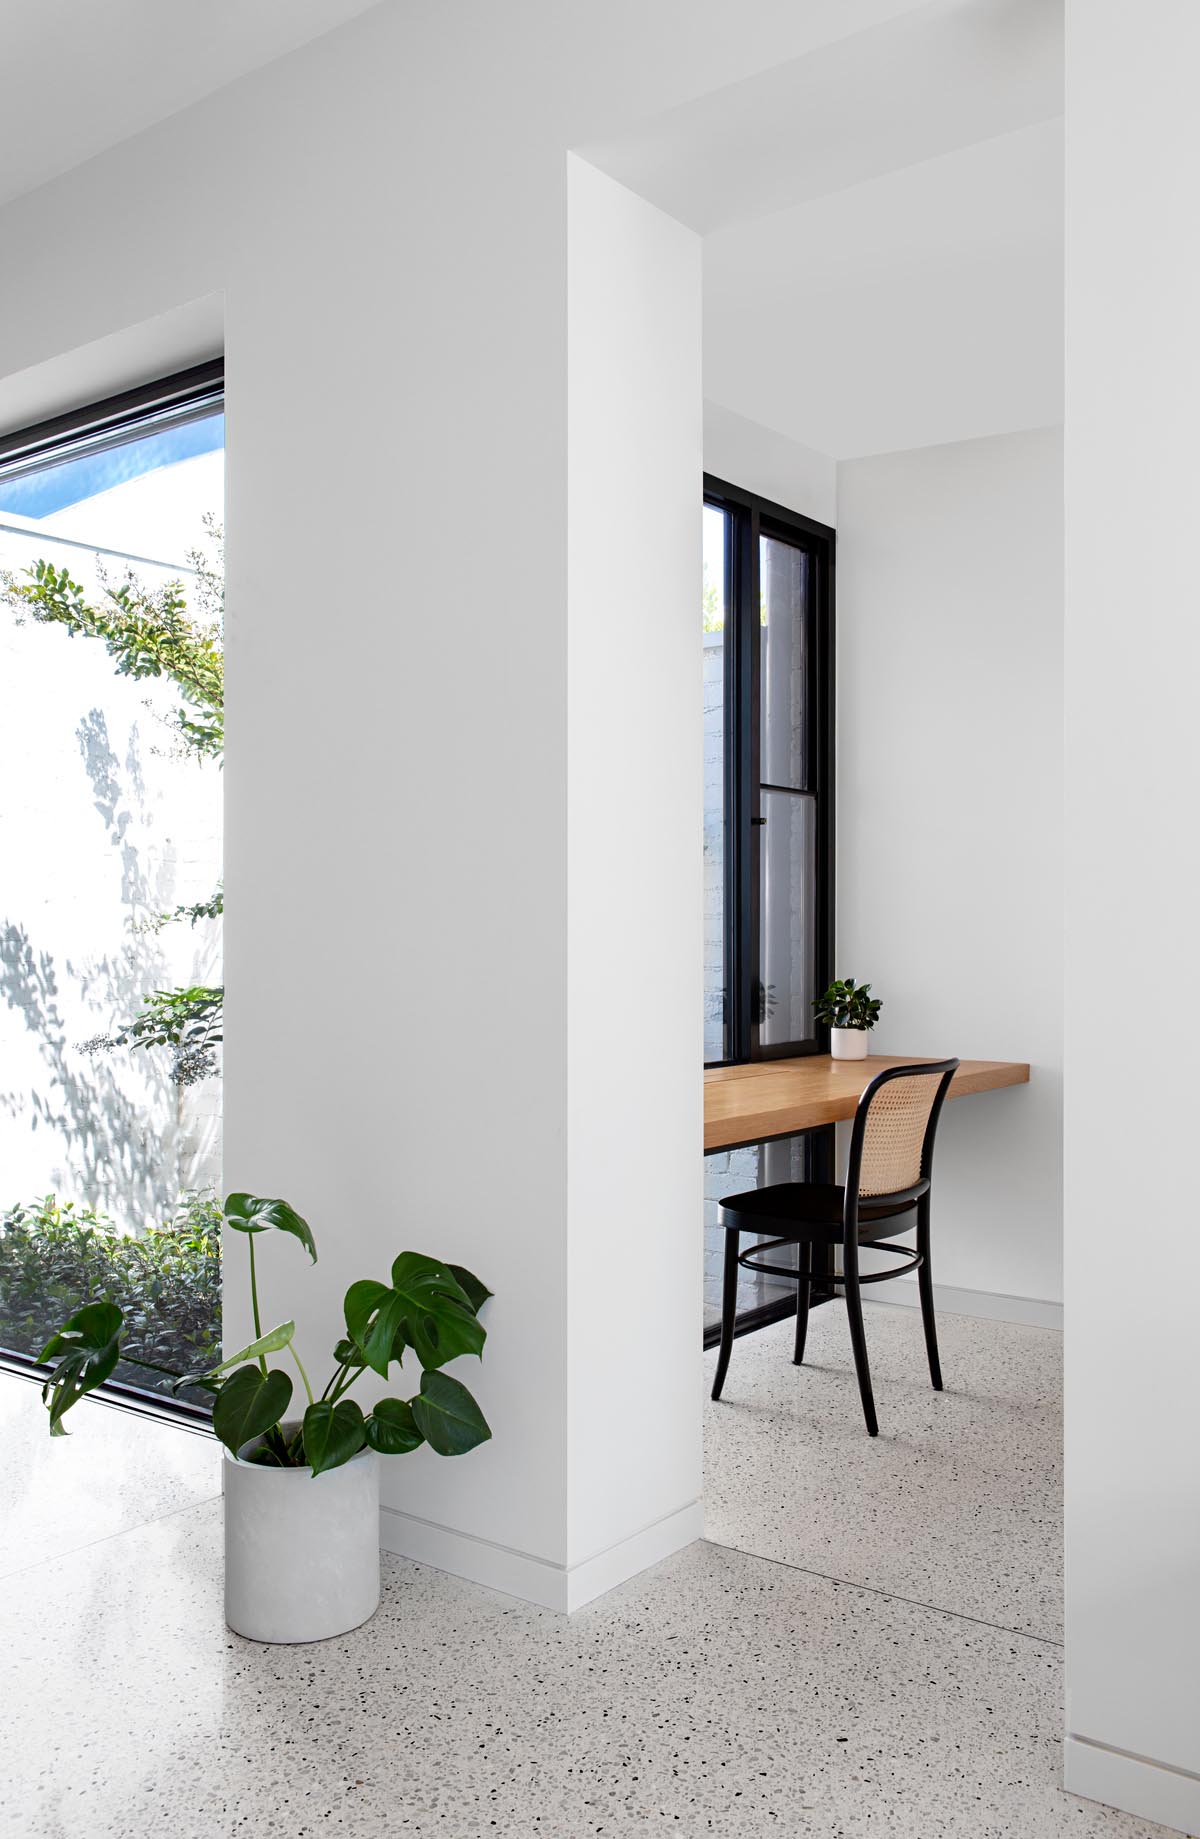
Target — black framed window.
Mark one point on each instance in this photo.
(768, 644)
(110, 520)
(768, 827)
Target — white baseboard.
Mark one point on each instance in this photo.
(537, 1580)
(1135, 1784)
(989, 1305)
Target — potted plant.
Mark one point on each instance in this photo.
(302, 1490)
(849, 1011)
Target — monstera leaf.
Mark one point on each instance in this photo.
(426, 1308)
(249, 1404)
(374, 1315)
(436, 1313)
(477, 1293)
(270, 1343)
(448, 1417)
(87, 1348)
(252, 1213)
(332, 1434)
(392, 1428)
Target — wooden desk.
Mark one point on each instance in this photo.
(779, 1098)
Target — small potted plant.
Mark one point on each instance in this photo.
(849, 1011)
(302, 1491)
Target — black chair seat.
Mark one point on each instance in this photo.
(812, 1210)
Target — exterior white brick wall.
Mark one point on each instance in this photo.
(106, 823)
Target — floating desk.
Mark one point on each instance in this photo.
(780, 1098)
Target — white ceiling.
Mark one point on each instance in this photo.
(922, 307)
(882, 215)
(938, 76)
(80, 75)
(883, 228)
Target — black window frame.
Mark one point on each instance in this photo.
(183, 396)
(750, 517)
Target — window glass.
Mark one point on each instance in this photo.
(111, 700)
(788, 862)
(715, 816)
(784, 666)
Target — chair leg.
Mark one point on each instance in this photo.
(925, 1285)
(858, 1338)
(728, 1307)
(803, 1297)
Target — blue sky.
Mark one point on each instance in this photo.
(52, 489)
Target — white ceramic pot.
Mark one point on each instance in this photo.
(848, 1043)
(301, 1552)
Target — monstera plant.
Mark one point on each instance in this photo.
(428, 1307)
(302, 1562)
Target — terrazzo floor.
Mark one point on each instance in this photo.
(956, 1504)
(718, 1693)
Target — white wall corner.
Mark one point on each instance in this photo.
(759, 459)
(1135, 1784)
(560, 1587)
(982, 1305)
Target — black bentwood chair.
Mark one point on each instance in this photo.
(887, 1181)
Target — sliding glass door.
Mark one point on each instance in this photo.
(768, 819)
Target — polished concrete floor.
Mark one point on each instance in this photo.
(719, 1693)
(957, 1504)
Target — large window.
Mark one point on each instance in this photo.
(111, 733)
(768, 818)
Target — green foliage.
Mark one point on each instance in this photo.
(150, 632)
(195, 910)
(166, 1282)
(713, 611)
(273, 1342)
(190, 1021)
(846, 1004)
(147, 633)
(250, 1213)
(392, 1428)
(168, 1018)
(333, 1433)
(426, 1308)
(447, 1416)
(86, 1348)
(249, 1404)
(429, 1307)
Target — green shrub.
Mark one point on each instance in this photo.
(165, 1281)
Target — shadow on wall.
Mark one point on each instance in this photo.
(81, 1100)
(127, 1152)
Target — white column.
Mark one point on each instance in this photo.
(1132, 1273)
(634, 849)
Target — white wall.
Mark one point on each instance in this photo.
(744, 453)
(385, 216)
(1132, 877)
(949, 822)
(634, 1110)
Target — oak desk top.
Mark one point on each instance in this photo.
(775, 1098)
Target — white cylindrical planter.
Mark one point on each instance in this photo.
(848, 1043)
(301, 1552)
